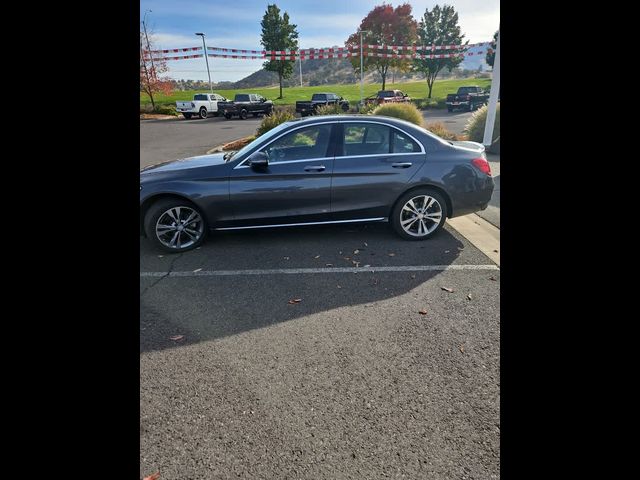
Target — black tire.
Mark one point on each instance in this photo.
(269, 112)
(438, 206)
(345, 107)
(203, 113)
(227, 116)
(158, 211)
(243, 114)
(449, 109)
(470, 106)
(216, 114)
(187, 115)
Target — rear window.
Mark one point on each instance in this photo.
(318, 96)
(200, 97)
(242, 98)
(386, 93)
(463, 90)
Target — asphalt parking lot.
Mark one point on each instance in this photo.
(316, 352)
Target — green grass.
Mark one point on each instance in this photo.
(350, 92)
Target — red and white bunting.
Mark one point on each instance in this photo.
(176, 50)
(424, 47)
(183, 57)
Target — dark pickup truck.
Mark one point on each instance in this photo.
(467, 98)
(388, 96)
(244, 104)
(309, 108)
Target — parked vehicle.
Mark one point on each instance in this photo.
(246, 103)
(305, 108)
(202, 105)
(319, 170)
(468, 98)
(388, 96)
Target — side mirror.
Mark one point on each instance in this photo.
(258, 160)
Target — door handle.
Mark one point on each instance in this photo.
(314, 168)
(401, 164)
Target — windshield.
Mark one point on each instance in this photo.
(200, 97)
(261, 139)
(463, 90)
(242, 98)
(386, 93)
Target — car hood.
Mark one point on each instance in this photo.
(186, 163)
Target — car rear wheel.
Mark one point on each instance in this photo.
(243, 114)
(175, 225)
(419, 214)
(187, 115)
(203, 112)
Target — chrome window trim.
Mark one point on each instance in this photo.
(317, 159)
(331, 122)
(375, 219)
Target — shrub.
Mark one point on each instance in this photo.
(475, 126)
(440, 130)
(273, 120)
(166, 110)
(334, 109)
(368, 108)
(404, 111)
(285, 108)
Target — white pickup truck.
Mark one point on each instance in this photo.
(202, 105)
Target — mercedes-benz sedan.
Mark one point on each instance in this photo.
(321, 170)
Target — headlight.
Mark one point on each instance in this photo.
(140, 187)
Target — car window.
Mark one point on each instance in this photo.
(309, 142)
(200, 97)
(402, 143)
(365, 139)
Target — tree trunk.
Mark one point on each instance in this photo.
(384, 79)
(280, 80)
(153, 105)
(430, 85)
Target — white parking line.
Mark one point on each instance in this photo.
(289, 271)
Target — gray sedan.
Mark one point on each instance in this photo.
(322, 170)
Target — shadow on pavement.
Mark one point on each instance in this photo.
(207, 308)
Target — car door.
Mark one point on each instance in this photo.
(296, 185)
(373, 164)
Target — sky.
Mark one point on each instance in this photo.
(321, 23)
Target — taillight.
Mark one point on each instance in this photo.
(482, 165)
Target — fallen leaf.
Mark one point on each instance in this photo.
(447, 289)
(154, 476)
(339, 286)
(329, 264)
(347, 258)
(366, 244)
(496, 251)
(469, 297)
(447, 251)
(176, 337)
(391, 254)
(422, 312)
(356, 251)
(197, 270)
(462, 348)
(286, 258)
(160, 256)
(294, 300)
(493, 278)
(413, 276)
(340, 253)
(317, 256)
(367, 266)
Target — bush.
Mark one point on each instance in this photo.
(285, 108)
(475, 126)
(404, 111)
(166, 110)
(273, 120)
(368, 108)
(334, 109)
(440, 130)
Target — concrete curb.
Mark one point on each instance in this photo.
(482, 235)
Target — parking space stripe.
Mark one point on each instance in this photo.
(290, 271)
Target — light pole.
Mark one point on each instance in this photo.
(362, 70)
(144, 25)
(487, 140)
(204, 46)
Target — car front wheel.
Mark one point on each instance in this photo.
(175, 225)
(419, 214)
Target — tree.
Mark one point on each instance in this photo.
(150, 67)
(278, 34)
(384, 25)
(439, 27)
(491, 51)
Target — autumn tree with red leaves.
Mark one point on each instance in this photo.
(150, 66)
(385, 26)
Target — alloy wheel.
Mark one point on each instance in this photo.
(179, 227)
(421, 215)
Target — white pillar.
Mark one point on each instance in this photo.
(493, 98)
